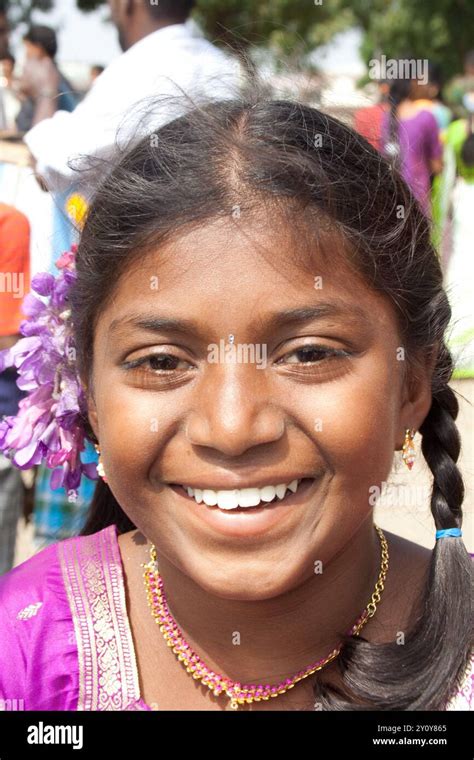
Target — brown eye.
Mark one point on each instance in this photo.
(312, 355)
(157, 363)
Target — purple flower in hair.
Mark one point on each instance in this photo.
(50, 424)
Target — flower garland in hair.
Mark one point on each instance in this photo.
(49, 426)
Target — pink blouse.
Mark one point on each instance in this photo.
(65, 636)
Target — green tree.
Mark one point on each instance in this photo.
(19, 11)
(290, 28)
(440, 30)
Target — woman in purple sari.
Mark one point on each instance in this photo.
(247, 332)
(411, 139)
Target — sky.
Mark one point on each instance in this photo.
(83, 37)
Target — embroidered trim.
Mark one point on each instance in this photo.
(28, 612)
(92, 573)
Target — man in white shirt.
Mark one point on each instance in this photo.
(162, 57)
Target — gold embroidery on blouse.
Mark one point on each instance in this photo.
(28, 612)
(92, 571)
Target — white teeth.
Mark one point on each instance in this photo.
(209, 497)
(228, 499)
(268, 493)
(241, 497)
(249, 497)
(281, 491)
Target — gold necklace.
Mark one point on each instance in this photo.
(241, 693)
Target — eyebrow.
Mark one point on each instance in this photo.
(158, 324)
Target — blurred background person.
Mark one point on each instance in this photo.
(9, 101)
(14, 284)
(411, 139)
(4, 29)
(44, 88)
(368, 120)
(8, 66)
(459, 258)
(460, 135)
(460, 85)
(162, 56)
(430, 97)
(5, 68)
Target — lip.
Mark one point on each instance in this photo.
(250, 521)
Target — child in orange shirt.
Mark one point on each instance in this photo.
(14, 285)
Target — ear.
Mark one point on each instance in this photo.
(416, 396)
(92, 415)
(91, 406)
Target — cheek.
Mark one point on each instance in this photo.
(354, 420)
(134, 425)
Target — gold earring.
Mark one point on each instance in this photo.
(100, 466)
(408, 448)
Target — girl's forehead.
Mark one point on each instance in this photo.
(244, 273)
(224, 256)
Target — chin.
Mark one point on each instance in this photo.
(247, 585)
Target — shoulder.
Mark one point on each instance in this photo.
(12, 216)
(38, 619)
(26, 581)
(410, 563)
(429, 123)
(25, 602)
(456, 130)
(409, 560)
(425, 115)
(405, 551)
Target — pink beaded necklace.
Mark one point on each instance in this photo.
(241, 693)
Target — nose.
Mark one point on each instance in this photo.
(233, 412)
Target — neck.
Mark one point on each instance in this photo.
(282, 635)
(142, 28)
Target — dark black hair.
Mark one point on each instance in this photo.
(436, 76)
(172, 10)
(254, 152)
(8, 56)
(45, 37)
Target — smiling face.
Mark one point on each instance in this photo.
(329, 404)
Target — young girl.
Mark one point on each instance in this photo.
(255, 330)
